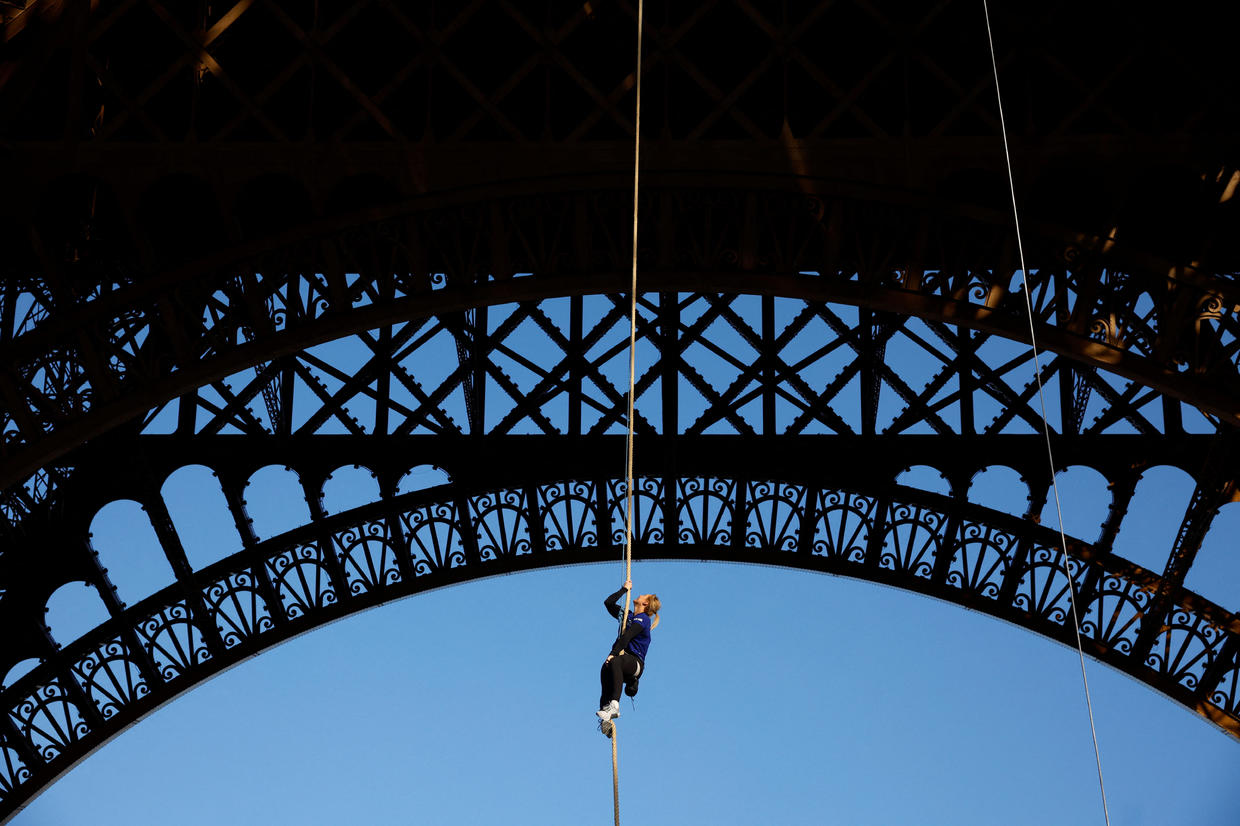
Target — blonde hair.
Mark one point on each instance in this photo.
(652, 608)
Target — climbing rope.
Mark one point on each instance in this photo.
(1046, 431)
(615, 774)
(628, 463)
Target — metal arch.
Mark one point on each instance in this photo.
(93, 365)
(893, 205)
(1005, 566)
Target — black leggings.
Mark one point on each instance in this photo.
(622, 668)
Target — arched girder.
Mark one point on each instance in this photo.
(523, 517)
(127, 350)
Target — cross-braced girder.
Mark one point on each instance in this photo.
(374, 70)
(79, 368)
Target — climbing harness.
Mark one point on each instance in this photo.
(628, 463)
(1046, 431)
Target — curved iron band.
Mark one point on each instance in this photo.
(1008, 567)
(182, 353)
(1194, 389)
(1211, 391)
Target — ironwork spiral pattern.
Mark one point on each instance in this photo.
(988, 561)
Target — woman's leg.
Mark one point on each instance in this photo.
(611, 677)
(631, 676)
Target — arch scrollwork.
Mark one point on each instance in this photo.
(774, 512)
(845, 520)
(368, 554)
(1186, 648)
(1042, 591)
(49, 719)
(302, 578)
(922, 542)
(434, 534)
(500, 524)
(239, 609)
(172, 640)
(647, 511)
(913, 540)
(569, 519)
(706, 511)
(1226, 694)
(111, 677)
(13, 770)
(1113, 617)
(980, 560)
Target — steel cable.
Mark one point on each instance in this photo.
(1046, 430)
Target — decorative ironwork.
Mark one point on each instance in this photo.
(842, 529)
(302, 579)
(239, 609)
(111, 676)
(913, 540)
(172, 640)
(919, 538)
(981, 561)
(1043, 587)
(435, 534)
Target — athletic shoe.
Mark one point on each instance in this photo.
(610, 712)
(606, 726)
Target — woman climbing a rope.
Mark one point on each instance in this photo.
(627, 661)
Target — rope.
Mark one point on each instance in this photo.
(615, 774)
(1046, 431)
(628, 463)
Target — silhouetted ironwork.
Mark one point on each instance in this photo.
(202, 207)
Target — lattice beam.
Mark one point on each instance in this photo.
(89, 365)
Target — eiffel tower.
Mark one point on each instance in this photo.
(261, 233)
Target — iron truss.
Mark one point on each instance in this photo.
(74, 370)
(520, 503)
(507, 71)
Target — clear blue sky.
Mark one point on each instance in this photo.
(771, 697)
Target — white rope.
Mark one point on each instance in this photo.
(633, 334)
(1046, 431)
(628, 463)
(615, 773)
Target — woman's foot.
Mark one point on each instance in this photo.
(610, 711)
(605, 715)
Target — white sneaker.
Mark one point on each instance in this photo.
(606, 715)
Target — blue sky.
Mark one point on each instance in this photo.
(772, 696)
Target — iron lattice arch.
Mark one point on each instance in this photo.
(701, 499)
(365, 232)
(123, 348)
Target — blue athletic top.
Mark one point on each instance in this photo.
(636, 637)
(641, 641)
